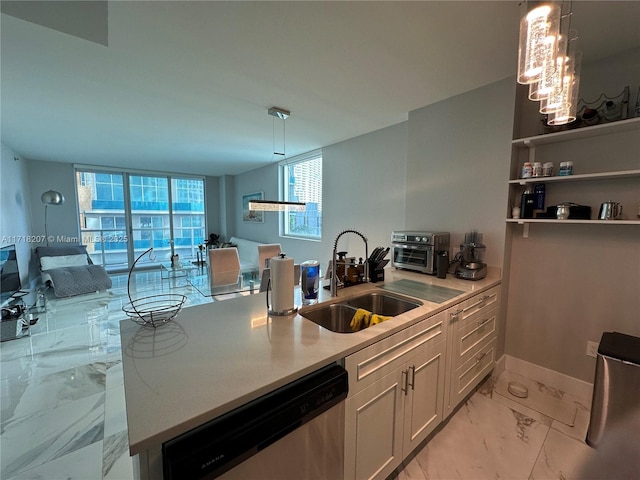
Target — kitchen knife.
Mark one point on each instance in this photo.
(381, 255)
(374, 254)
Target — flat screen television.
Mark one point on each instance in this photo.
(9, 274)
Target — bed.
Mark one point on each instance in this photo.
(69, 271)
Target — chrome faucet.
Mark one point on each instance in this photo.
(334, 281)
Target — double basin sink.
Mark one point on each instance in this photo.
(337, 316)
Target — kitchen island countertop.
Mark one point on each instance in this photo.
(215, 357)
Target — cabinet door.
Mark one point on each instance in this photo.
(373, 428)
(467, 376)
(424, 402)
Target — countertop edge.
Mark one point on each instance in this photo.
(365, 339)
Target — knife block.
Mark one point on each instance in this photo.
(375, 275)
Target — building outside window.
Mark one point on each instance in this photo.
(121, 215)
(301, 181)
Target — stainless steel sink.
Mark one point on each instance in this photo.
(383, 303)
(337, 316)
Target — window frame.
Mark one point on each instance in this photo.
(283, 194)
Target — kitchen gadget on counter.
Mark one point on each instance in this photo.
(413, 250)
(566, 211)
(281, 284)
(471, 266)
(309, 281)
(377, 262)
(610, 211)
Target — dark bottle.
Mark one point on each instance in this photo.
(528, 200)
(539, 196)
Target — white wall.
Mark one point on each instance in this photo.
(458, 166)
(15, 209)
(363, 189)
(62, 220)
(568, 284)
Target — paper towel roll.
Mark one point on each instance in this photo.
(281, 285)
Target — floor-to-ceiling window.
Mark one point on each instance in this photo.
(123, 214)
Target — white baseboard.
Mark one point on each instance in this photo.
(560, 381)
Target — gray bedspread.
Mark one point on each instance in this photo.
(77, 280)
(69, 281)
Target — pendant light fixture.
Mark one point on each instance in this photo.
(548, 61)
(539, 28)
(276, 205)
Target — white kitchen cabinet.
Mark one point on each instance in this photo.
(472, 345)
(606, 167)
(399, 400)
(401, 388)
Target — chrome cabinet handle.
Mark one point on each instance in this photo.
(479, 303)
(405, 379)
(482, 322)
(413, 377)
(480, 357)
(454, 315)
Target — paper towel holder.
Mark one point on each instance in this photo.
(289, 311)
(281, 313)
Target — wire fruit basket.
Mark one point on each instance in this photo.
(152, 310)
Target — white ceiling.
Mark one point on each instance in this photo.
(185, 86)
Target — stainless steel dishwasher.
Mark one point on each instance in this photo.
(294, 432)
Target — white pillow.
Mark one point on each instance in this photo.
(48, 263)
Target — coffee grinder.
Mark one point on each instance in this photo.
(471, 266)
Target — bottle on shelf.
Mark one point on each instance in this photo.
(538, 196)
(527, 204)
(537, 169)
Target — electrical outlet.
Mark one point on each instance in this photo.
(592, 349)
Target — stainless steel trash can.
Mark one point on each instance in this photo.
(616, 388)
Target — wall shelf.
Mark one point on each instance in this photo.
(581, 177)
(578, 133)
(626, 169)
(526, 222)
(522, 221)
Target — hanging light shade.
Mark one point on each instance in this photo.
(568, 97)
(277, 206)
(539, 30)
(552, 68)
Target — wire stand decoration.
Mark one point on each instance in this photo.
(152, 310)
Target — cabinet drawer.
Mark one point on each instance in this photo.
(374, 362)
(475, 305)
(475, 330)
(469, 374)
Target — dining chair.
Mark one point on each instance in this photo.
(265, 252)
(224, 266)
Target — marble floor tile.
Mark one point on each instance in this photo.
(542, 398)
(83, 464)
(117, 464)
(483, 440)
(23, 398)
(115, 411)
(40, 437)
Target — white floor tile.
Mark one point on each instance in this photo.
(484, 440)
(83, 464)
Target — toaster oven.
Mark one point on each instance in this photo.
(413, 250)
